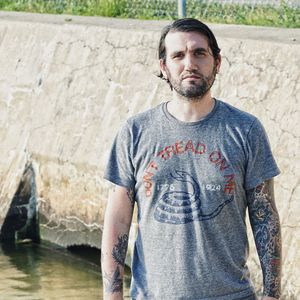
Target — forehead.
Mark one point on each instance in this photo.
(181, 41)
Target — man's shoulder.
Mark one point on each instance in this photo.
(146, 116)
(235, 114)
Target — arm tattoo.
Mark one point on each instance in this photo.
(119, 250)
(130, 194)
(266, 230)
(114, 283)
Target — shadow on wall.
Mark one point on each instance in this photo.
(21, 221)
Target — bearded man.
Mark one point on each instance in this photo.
(193, 165)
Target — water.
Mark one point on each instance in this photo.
(36, 272)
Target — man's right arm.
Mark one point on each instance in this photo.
(117, 221)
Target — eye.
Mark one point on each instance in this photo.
(199, 53)
(178, 55)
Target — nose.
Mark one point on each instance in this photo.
(190, 63)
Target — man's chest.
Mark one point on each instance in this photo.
(212, 164)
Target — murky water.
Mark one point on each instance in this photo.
(35, 272)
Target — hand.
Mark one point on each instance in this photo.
(269, 298)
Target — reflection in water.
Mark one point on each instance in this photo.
(34, 272)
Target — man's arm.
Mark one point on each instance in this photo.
(265, 225)
(117, 221)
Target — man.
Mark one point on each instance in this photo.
(193, 165)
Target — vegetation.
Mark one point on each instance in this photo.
(282, 15)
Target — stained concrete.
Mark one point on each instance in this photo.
(67, 83)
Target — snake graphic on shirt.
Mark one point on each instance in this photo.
(181, 207)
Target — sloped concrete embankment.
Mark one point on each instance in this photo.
(65, 88)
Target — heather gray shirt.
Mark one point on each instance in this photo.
(190, 181)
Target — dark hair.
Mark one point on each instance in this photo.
(187, 25)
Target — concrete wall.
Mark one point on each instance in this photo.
(66, 84)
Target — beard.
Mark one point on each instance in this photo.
(194, 89)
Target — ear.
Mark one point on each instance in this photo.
(162, 65)
(218, 63)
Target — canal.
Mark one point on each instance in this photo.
(44, 272)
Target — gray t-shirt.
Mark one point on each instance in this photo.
(190, 181)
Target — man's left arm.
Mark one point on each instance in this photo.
(265, 225)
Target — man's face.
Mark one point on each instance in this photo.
(189, 66)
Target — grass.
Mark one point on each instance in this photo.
(263, 15)
(280, 16)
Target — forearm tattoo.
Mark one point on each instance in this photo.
(119, 250)
(130, 194)
(114, 283)
(266, 229)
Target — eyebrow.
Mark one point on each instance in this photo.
(176, 52)
(200, 49)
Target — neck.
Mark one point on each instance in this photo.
(190, 110)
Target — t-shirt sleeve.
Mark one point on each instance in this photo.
(119, 169)
(261, 164)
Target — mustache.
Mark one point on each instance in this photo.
(191, 74)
